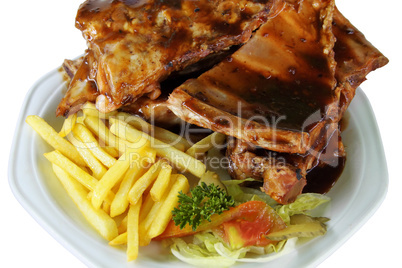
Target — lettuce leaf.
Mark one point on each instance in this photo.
(201, 251)
(243, 194)
(209, 249)
(303, 204)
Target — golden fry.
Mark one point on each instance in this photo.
(54, 140)
(162, 134)
(132, 231)
(144, 182)
(121, 239)
(121, 202)
(72, 169)
(147, 221)
(206, 144)
(89, 109)
(97, 126)
(89, 141)
(101, 221)
(161, 183)
(171, 201)
(98, 170)
(113, 175)
(180, 159)
(68, 125)
(123, 225)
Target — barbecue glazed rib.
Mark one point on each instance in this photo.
(277, 90)
(137, 44)
(82, 87)
(355, 56)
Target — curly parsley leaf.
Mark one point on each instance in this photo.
(204, 201)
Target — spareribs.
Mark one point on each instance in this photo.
(137, 44)
(288, 71)
(275, 91)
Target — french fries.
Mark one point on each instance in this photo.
(164, 213)
(113, 175)
(161, 182)
(53, 139)
(121, 239)
(68, 125)
(97, 126)
(206, 144)
(75, 171)
(144, 182)
(122, 180)
(132, 231)
(121, 201)
(102, 222)
(180, 159)
(98, 170)
(162, 134)
(89, 141)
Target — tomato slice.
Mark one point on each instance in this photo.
(251, 228)
(244, 225)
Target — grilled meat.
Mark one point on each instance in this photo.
(82, 87)
(283, 175)
(215, 96)
(275, 91)
(137, 44)
(356, 57)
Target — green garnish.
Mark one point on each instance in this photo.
(204, 201)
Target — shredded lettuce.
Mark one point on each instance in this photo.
(201, 251)
(284, 247)
(209, 249)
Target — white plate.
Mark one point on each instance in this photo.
(356, 196)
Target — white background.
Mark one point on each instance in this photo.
(36, 36)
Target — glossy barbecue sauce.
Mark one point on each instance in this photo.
(321, 178)
(279, 76)
(330, 164)
(108, 19)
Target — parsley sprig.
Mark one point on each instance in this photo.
(204, 201)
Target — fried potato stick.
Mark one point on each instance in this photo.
(206, 144)
(53, 139)
(97, 126)
(97, 168)
(89, 141)
(171, 201)
(144, 182)
(68, 125)
(162, 134)
(161, 183)
(132, 231)
(121, 201)
(101, 221)
(121, 239)
(72, 169)
(114, 175)
(180, 159)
